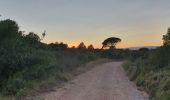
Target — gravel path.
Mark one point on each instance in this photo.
(104, 82)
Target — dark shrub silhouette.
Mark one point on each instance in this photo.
(81, 46)
(32, 38)
(166, 38)
(143, 49)
(62, 45)
(8, 29)
(111, 42)
(25, 61)
(58, 46)
(73, 47)
(90, 47)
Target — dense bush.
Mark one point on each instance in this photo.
(116, 54)
(161, 57)
(27, 65)
(152, 72)
(26, 62)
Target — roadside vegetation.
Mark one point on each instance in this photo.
(28, 66)
(150, 70)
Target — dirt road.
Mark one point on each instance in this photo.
(104, 82)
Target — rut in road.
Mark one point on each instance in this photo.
(104, 82)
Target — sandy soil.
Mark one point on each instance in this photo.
(104, 82)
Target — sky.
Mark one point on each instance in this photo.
(136, 22)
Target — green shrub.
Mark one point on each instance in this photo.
(152, 73)
(26, 64)
(161, 57)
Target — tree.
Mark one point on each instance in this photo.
(8, 29)
(90, 46)
(111, 42)
(32, 38)
(81, 46)
(166, 38)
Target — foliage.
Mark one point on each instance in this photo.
(8, 29)
(143, 49)
(166, 38)
(111, 42)
(32, 38)
(90, 47)
(81, 46)
(151, 71)
(117, 54)
(161, 57)
(58, 46)
(26, 64)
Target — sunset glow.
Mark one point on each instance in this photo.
(136, 22)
